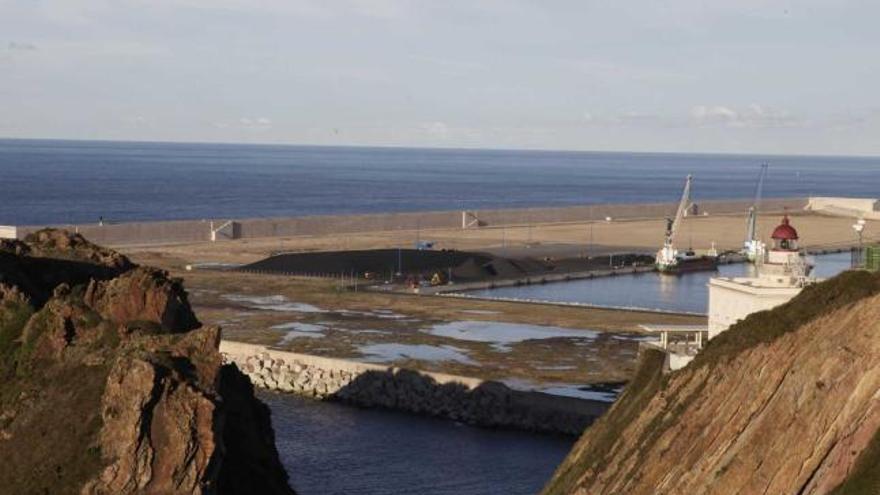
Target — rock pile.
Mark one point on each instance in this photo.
(470, 401)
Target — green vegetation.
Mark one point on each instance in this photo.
(766, 326)
(591, 451)
(39, 325)
(14, 315)
(54, 437)
(52, 408)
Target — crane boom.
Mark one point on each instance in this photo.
(759, 187)
(667, 259)
(751, 231)
(679, 214)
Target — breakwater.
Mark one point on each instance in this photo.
(467, 400)
(220, 229)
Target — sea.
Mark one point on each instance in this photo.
(58, 182)
(332, 448)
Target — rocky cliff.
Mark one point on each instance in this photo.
(785, 402)
(110, 385)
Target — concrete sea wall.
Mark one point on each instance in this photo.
(186, 231)
(468, 400)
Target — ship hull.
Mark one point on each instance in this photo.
(701, 264)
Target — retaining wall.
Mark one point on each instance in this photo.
(185, 231)
(468, 400)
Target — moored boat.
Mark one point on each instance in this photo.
(688, 262)
(672, 261)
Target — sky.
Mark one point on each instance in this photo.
(743, 76)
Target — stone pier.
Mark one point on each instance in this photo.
(467, 400)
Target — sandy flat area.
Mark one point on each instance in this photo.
(571, 239)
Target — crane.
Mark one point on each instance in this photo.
(752, 247)
(667, 257)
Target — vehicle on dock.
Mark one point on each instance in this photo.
(672, 261)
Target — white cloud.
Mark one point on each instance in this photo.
(625, 118)
(244, 123)
(752, 116)
(436, 130)
(21, 47)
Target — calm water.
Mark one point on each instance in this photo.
(686, 292)
(70, 181)
(335, 449)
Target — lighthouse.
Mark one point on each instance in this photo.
(782, 272)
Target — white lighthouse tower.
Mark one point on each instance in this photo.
(783, 272)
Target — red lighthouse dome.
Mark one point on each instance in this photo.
(784, 232)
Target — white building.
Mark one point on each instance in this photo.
(782, 274)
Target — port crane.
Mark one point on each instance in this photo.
(667, 257)
(753, 248)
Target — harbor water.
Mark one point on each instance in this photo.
(687, 292)
(331, 449)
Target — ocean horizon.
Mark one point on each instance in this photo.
(78, 181)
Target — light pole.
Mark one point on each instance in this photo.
(590, 248)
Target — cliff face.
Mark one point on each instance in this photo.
(109, 383)
(786, 402)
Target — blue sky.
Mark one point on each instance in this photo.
(740, 76)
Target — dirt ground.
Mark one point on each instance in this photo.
(600, 346)
(568, 239)
(316, 316)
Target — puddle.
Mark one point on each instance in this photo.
(377, 353)
(296, 330)
(635, 337)
(501, 335)
(388, 314)
(273, 303)
(379, 313)
(302, 327)
(602, 394)
(293, 334)
(556, 368)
